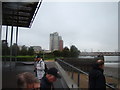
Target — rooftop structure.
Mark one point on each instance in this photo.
(19, 14)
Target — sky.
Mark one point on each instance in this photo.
(90, 26)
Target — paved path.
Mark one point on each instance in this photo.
(9, 77)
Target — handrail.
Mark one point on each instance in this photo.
(74, 67)
(113, 88)
(81, 71)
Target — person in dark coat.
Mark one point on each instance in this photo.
(50, 77)
(96, 76)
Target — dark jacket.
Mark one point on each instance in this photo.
(97, 79)
(45, 84)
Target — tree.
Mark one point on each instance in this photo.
(5, 48)
(23, 50)
(15, 49)
(74, 52)
(31, 51)
(57, 53)
(66, 52)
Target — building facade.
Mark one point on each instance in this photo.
(37, 49)
(61, 45)
(56, 42)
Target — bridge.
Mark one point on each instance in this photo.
(72, 77)
(100, 53)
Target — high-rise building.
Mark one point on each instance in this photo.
(56, 42)
(60, 43)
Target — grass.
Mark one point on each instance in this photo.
(25, 56)
(28, 58)
(19, 56)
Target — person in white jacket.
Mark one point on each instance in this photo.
(40, 67)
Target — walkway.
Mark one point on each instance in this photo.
(9, 76)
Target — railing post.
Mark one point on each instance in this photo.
(79, 72)
(78, 79)
(72, 85)
(72, 76)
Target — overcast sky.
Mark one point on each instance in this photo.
(90, 26)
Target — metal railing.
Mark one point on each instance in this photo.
(71, 68)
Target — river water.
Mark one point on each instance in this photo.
(111, 66)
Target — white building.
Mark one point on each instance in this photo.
(20, 47)
(37, 49)
(55, 41)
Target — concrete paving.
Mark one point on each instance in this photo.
(9, 74)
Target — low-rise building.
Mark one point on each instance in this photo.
(37, 49)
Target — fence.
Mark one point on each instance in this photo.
(78, 73)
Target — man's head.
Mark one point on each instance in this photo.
(36, 83)
(38, 57)
(27, 80)
(52, 75)
(100, 64)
